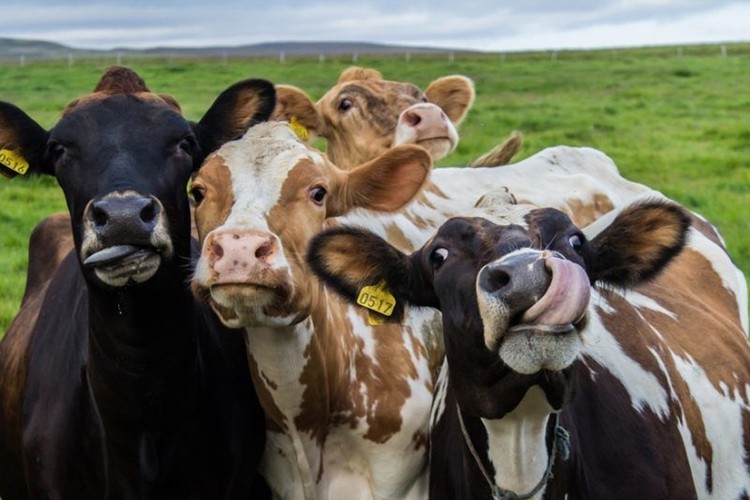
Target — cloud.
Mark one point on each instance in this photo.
(472, 24)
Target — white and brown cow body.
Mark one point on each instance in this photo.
(347, 403)
(650, 384)
(363, 115)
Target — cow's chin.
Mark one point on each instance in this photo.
(242, 305)
(529, 348)
(438, 147)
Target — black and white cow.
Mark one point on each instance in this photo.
(607, 366)
(115, 382)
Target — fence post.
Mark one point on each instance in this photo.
(679, 52)
(118, 58)
(70, 60)
(22, 61)
(408, 56)
(322, 58)
(282, 57)
(355, 56)
(723, 50)
(450, 56)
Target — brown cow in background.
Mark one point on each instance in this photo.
(363, 115)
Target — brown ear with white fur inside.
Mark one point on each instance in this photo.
(385, 183)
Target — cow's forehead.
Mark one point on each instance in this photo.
(489, 228)
(259, 164)
(98, 97)
(382, 89)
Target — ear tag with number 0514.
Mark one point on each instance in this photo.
(376, 298)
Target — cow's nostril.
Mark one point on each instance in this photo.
(264, 250)
(412, 119)
(99, 216)
(497, 278)
(217, 250)
(148, 212)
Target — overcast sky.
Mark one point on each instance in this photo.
(492, 25)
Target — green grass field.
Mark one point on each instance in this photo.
(677, 120)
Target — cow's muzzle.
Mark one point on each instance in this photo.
(533, 301)
(125, 238)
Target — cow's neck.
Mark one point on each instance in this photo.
(142, 364)
(278, 359)
(298, 364)
(517, 448)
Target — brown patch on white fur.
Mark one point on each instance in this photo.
(382, 382)
(582, 214)
(215, 180)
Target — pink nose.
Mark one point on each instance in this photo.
(426, 118)
(234, 255)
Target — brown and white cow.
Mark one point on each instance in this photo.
(116, 383)
(347, 403)
(571, 371)
(363, 115)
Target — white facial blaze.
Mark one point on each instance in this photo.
(259, 163)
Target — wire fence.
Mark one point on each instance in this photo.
(725, 50)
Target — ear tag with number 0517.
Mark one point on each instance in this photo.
(376, 298)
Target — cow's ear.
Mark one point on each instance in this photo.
(385, 183)
(638, 243)
(23, 143)
(353, 261)
(296, 107)
(235, 110)
(454, 94)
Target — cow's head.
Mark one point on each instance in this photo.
(262, 198)
(514, 297)
(123, 157)
(364, 115)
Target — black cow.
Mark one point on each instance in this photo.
(640, 392)
(115, 383)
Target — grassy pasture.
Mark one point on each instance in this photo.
(677, 120)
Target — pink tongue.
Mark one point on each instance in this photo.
(565, 300)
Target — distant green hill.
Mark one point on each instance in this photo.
(14, 49)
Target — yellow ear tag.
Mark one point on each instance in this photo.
(13, 161)
(377, 298)
(299, 129)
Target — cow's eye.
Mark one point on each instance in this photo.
(345, 104)
(317, 195)
(438, 256)
(576, 242)
(55, 150)
(197, 193)
(187, 146)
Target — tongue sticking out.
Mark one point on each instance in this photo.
(566, 298)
